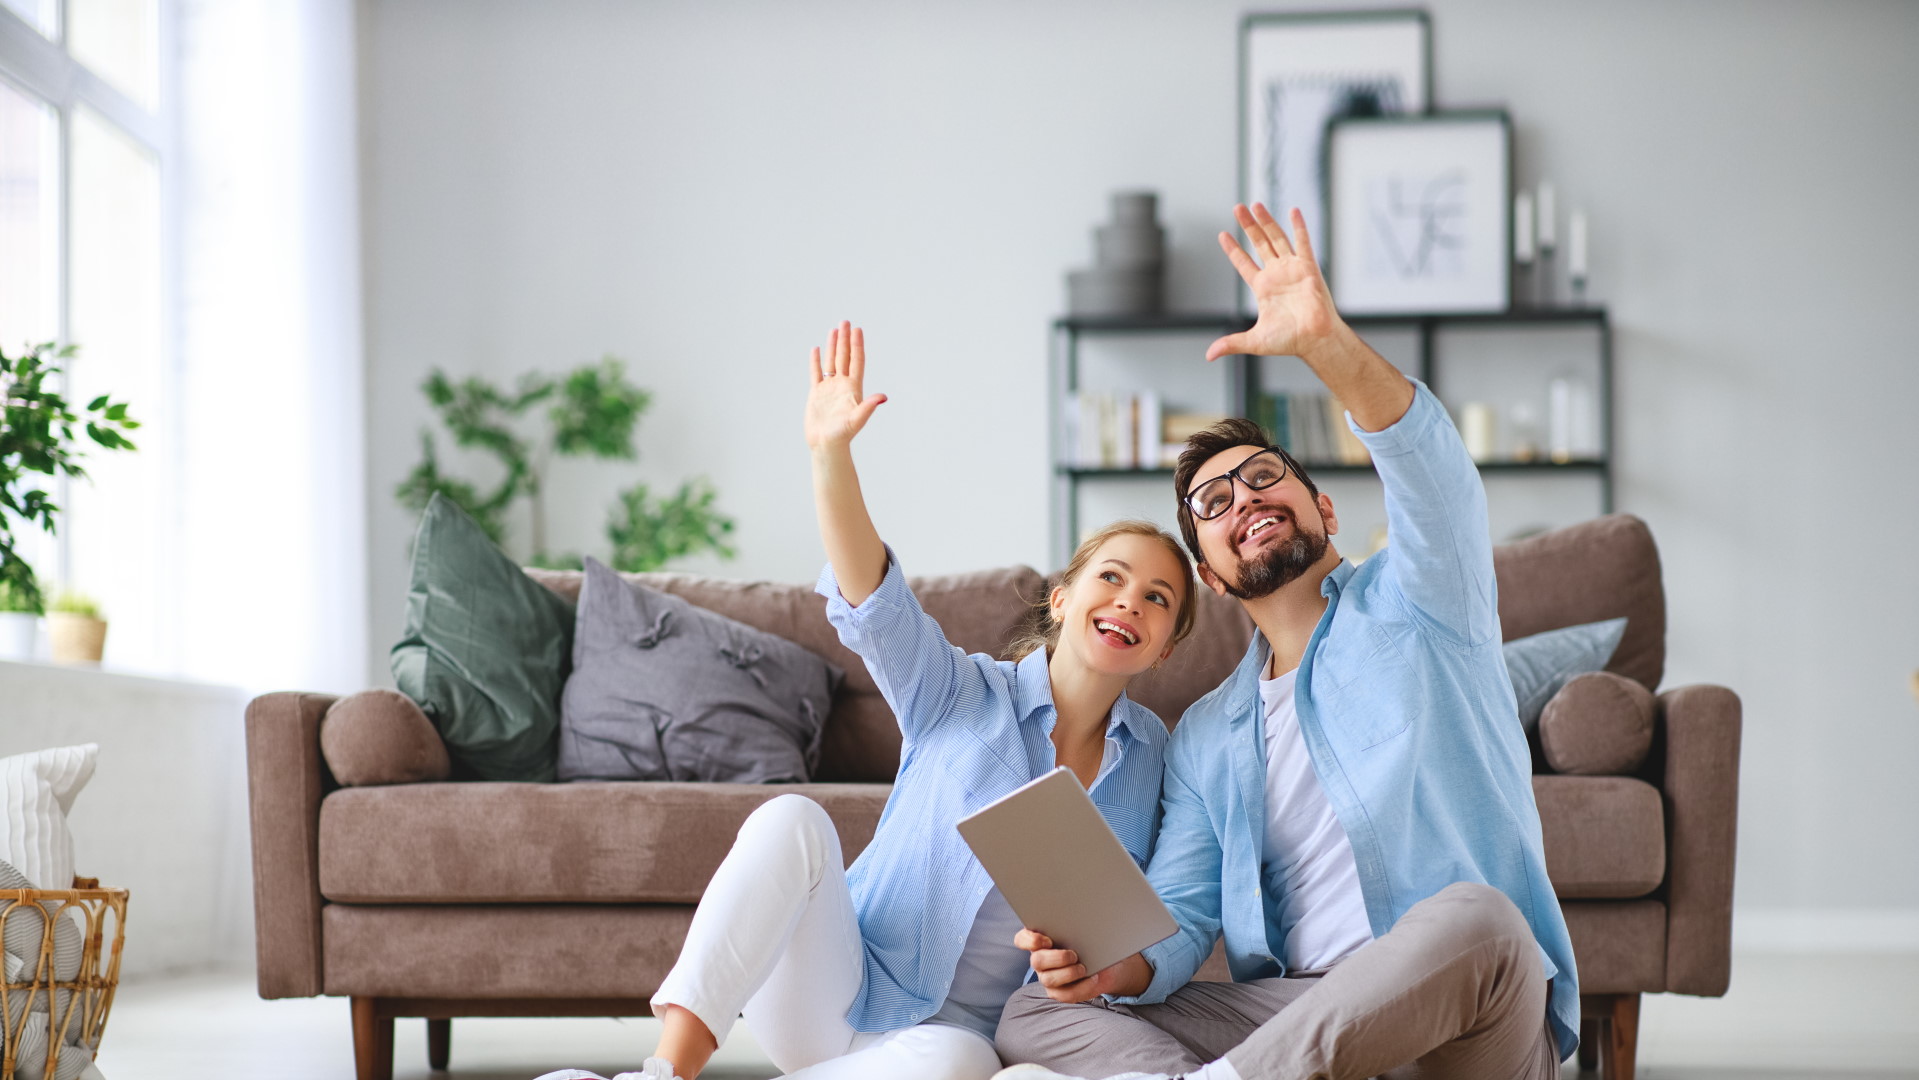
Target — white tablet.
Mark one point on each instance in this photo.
(1065, 874)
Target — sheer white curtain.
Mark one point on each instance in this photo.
(272, 427)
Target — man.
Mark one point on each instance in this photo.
(1352, 809)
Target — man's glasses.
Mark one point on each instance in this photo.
(1215, 496)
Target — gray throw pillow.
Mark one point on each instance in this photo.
(1543, 663)
(665, 690)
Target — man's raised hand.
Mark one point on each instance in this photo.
(1295, 308)
(838, 408)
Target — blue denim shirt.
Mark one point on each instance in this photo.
(1408, 716)
(974, 729)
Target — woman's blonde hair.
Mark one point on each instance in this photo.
(1039, 630)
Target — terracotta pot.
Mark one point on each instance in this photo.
(76, 639)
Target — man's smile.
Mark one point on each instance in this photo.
(1260, 523)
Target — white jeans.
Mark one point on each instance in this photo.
(775, 937)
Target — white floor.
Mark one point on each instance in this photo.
(1787, 1018)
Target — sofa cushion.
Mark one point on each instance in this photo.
(1605, 835)
(663, 689)
(616, 954)
(1598, 569)
(485, 651)
(587, 842)
(861, 742)
(1619, 945)
(381, 737)
(1542, 664)
(1600, 724)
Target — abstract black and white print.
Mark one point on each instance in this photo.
(1416, 225)
(1294, 113)
(1301, 72)
(1419, 218)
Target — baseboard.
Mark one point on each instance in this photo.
(1825, 930)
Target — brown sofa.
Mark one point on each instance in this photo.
(438, 899)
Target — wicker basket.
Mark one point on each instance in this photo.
(83, 1018)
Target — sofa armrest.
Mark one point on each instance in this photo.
(286, 779)
(1699, 729)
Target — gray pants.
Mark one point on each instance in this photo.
(1454, 990)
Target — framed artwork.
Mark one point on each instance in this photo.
(1300, 71)
(1419, 217)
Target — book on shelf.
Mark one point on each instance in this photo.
(1115, 431)
(1177, 427)
(1148, 444)
(1180, 426)
(1105, 430)
(1312, 428)
(1351, 450)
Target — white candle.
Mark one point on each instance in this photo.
(1476, 430)
(1559, 420)
(1523, 227)
(1546, 235)
(1576, 244)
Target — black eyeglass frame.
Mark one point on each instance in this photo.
(1192, 497)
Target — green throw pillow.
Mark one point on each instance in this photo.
(486, 650)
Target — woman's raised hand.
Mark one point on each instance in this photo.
(837, 408)
(1295, 308)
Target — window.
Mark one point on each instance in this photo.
(84, 158)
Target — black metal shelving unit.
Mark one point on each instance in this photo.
(1243, 375)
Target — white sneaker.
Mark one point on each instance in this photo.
(1041, 1072)
(654, 1069)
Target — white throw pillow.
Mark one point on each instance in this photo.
(36, 793)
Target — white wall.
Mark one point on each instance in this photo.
(164, 815)
(705, 189)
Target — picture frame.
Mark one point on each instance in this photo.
(1298, 71)
(1420, 213)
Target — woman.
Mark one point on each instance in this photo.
(899, 966)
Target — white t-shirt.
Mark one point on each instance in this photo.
(990, 968)
(1307, 857)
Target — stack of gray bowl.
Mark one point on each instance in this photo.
(1130, 262)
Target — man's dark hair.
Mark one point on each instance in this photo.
(1237, 431)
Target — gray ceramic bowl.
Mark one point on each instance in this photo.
(1138, 206)
(1138, 246)
(1107, 290)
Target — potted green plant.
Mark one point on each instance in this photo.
(38, 444)
(19, 623)
(590, 412)
(76, 631)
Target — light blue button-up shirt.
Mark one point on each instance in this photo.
(1408, 715)
(974, 729)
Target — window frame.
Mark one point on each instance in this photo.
(42, 67)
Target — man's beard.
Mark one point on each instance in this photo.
(1277, 566)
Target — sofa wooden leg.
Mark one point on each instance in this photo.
(1622, 1037)
(372, 1040)
(1589, 1035)
(439, 1043)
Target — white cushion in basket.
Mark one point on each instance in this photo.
(36, 793)
(25, 930)
(22, 933)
